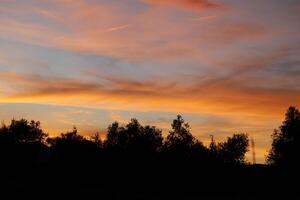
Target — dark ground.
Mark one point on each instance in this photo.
(175, 180)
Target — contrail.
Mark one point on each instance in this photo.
(116, 28)
(204, 18)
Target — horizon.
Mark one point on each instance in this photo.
(226, 66)
(89, 133)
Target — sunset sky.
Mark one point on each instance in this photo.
(227, 66)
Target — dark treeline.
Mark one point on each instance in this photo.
(135, 161)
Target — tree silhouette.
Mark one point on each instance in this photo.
(151, 139)
(23, 132)
(69, 137)
(134, 157)
(97, 140)
(286, 141)
(133, 137)
(234, 149)
(213, 150)
(200, 153)
(22, 143)
(5, 137)
(180, 138)
(72, 149)
(114, 135)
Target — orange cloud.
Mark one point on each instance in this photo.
(232, 96)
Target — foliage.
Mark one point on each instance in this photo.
(234, 149)
(180, 138)
(23, 132)
(286, 141)
(69, 137)
(133, 137)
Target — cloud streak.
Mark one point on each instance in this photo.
(203, 18)
(196, 5)
(236, 96)
(117, 28)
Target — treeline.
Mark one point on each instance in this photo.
(135, 139)
(132, 139)
(138, 158)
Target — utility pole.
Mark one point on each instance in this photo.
(253, 151)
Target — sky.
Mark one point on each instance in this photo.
(227, 66)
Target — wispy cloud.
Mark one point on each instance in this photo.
(197, 5)
(235, 94)
(202, 18)
(117, 28)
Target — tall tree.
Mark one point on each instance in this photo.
(180, 138)
(234, 149)
(114, 138)
(286, 141)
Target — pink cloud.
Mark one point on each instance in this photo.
(187, 4)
